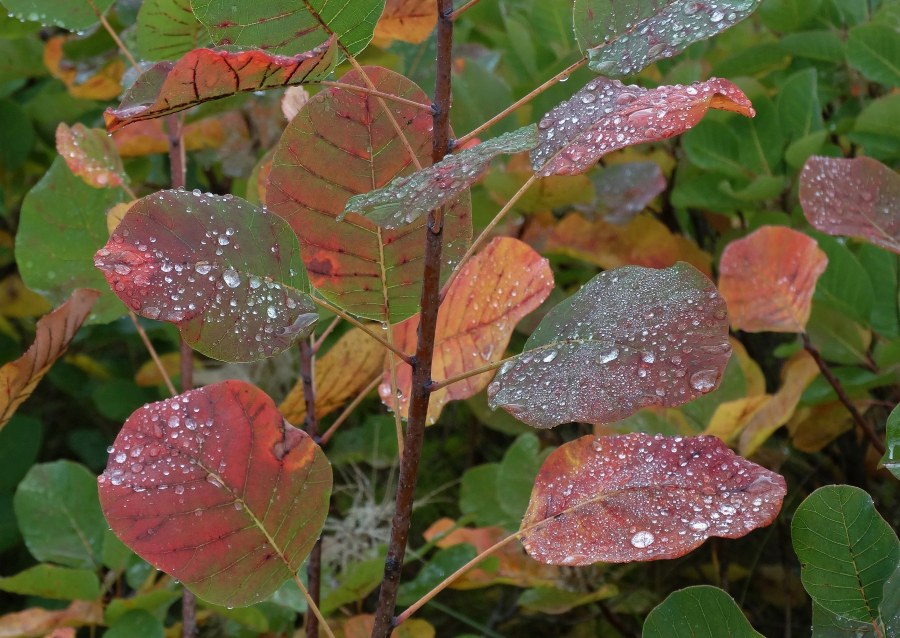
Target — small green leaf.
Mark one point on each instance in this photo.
(891, 458)
(698, 612)
(443, 563)
(50, 581)
(874, 50)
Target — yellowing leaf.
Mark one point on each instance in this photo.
(350, 365)
(812, 428)
(754, 379)
(148, 137)
(102, 84)
(17, 301)
(90, 154)
(116, 214)
(36, 622)
(361, 626)
(149, 376)
(405, 20)
(732, 416)
(545, 194)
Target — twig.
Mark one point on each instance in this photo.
(398, 421)
(376, 93)
(114, 36)
(458, 12)
(314, 608)
(437, 385)
(348, 411)
(343, 315)
(863, 425)
(153, 354)
(525, 100)
(318, 342)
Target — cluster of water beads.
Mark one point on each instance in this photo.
(671, 492)
(90, 154)
(630, 338)
(606, 115)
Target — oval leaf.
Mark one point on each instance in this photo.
(623, 37)
(215, 488)
(856, 197)
(638, 497)
(846, 550)
(607, 115)
(226, 273)
(90, 154)
(629, 339)
(368, 271)
(491, 294)
(768, 279)
(203, 75)
(699, 612)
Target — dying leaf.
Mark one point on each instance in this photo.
(116, 214)
(17, 301)
(91, 80)
(52, 337)
(37, 622)
(493, 291)
(149, 137)
(768, 279)
(731, 417)
(90, 154)
(167, 30)
(607, 115)
(205, 74)
(369, 271)
(350, 365)
(629, 339)
(216, 489)
(361, 626)
(814, 427)
(226, 273)
(406, 20)
(407, 198)
(644, 241)
(639, 497)
(149, 376)
(623, 37)
(856, 197)
(624, 190)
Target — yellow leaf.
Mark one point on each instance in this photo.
(115, 215)
(754, 379)
(812, 428)
(732, 416)
(101, 84)
(18, 302)
(405, 20)
(149, 376)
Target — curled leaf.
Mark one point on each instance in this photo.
(606, 115)
(216, 489)
(629, 339)
(205, 74)
(90, 154)
(639, 497)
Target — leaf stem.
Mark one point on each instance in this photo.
(349, 318)
(376, 93)
(313, 607)
(525, 100)
(458, 12)
(348, 411)
(866, 427)
(153, 354)
(114, 36)
(437, 385)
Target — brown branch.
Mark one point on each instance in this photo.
(421, 364)
(866, 427)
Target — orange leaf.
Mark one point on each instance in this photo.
(361, 626)
(350, 365)
(148, 137)
(405, 20)
(36, 622)
(493, 291)
(54, 333)
(93, 84)
(768, 279)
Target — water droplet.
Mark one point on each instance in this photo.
(704, 380)
(642, 539)
(231, 278)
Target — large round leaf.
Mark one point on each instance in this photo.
(342, 143)
(698, 612)
(215, 488)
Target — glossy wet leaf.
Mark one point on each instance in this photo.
(406, 20)
(606, 115)
(891, 458)
(52, 581)
(368, 271)
(856, 197)
(407, 198)
(63, 220)
(629, 339)
(623, 37)
(216, 489)
(768, 279)
(74, 15)
(91, 155)
(701, 611)
(624, 190)
(846, 550)
(639, 497)
(287, 26)
(226, 273)
(167, 30)
(206, 74)
(492, 293)
(53, 334)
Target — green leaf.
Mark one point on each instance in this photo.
(845, 285)
(890, 605)
(356, 582)
(287, 27)
(136, 623)
(167, 29)
(156, 601)
(554, 600)
(878, 128)
(442, 564)
(874, 51)
(18, 135)
(761, 138)
(838, 337)
(789, 15)
(846, 551)
(828, 625)
(515, 477)
(702, 611)
(63, 222)
(479, 497)
(50, 581)
(799, 111)
(803, 148)
(20, 441)
(883, 269)
(823, 46)
(891, 458)
(713, 146)
(478, 94)
(21, 58)
(59, 514)
(74, 15)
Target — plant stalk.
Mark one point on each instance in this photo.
(421, 364)
(314, 566)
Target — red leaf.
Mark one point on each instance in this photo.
(856, 197)
(639, 497)
(768, 279)
(205, 74)
(342, 144)
(607, 115)
(215, 488)
(90, 154)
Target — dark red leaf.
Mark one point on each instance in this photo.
(215, 488)
(639, 497)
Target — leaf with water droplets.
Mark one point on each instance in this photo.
(74, 15)
(622, 37)
(226, 273)
(214, 487)
(205, 74)
(369, 271)
(856, 197)
(491, 294)
(53, 335)
(630, 338)
(768, 279)
(90, 154)
(701, 611)
(638, 497)
(624, 190)
(407, 198)
(606, 115)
